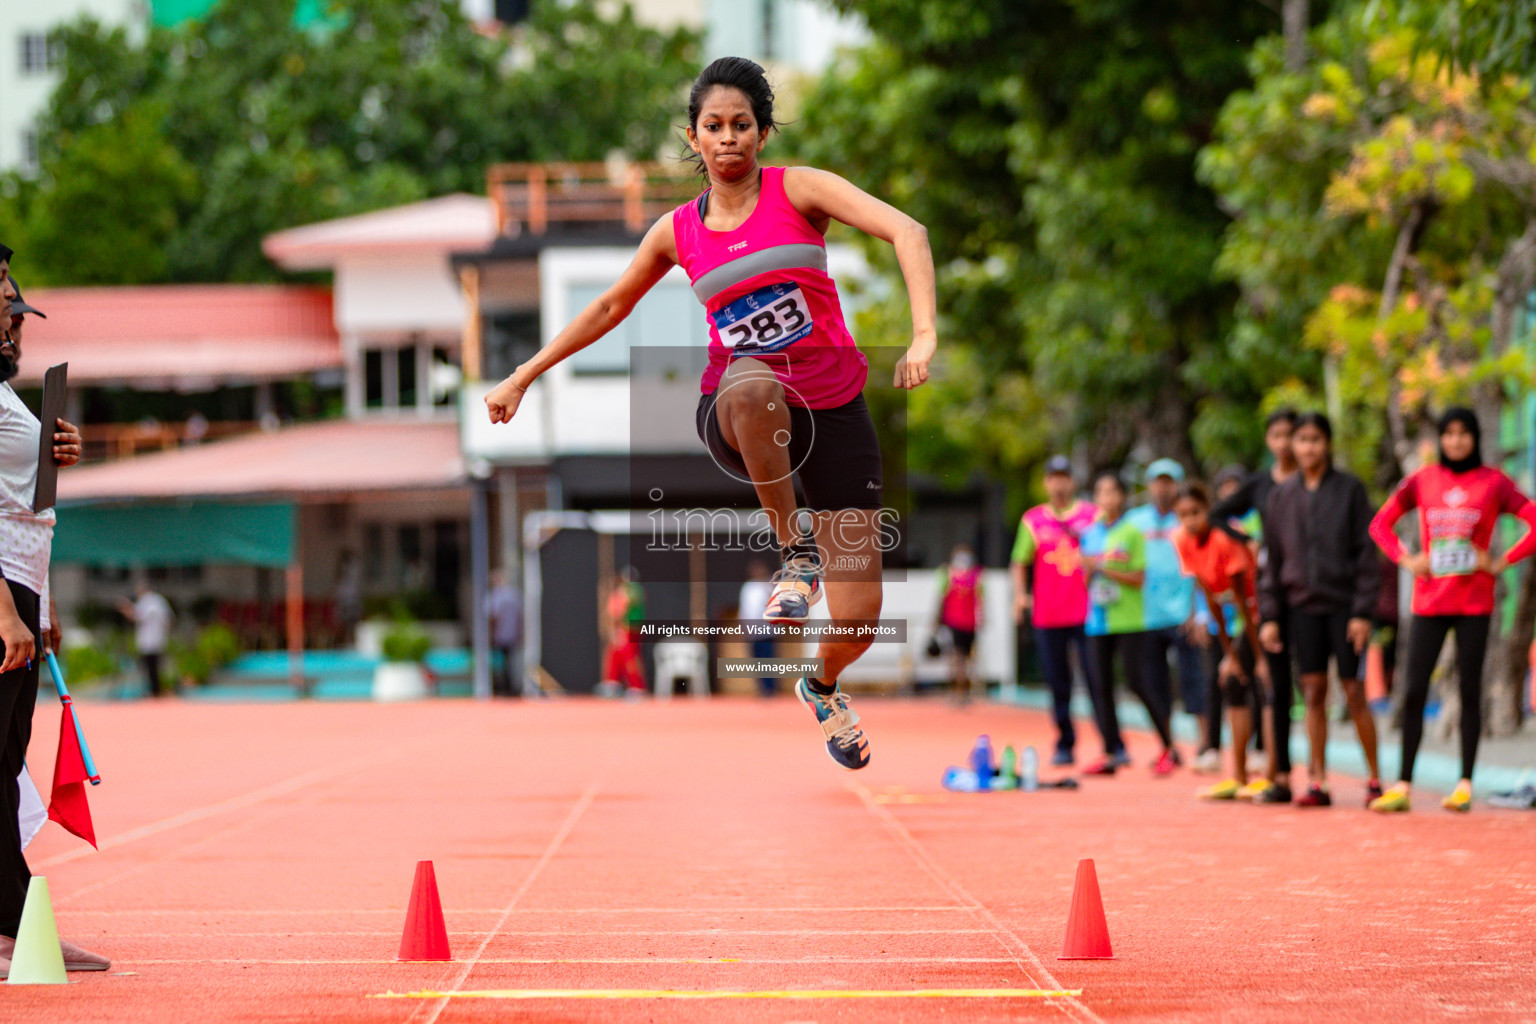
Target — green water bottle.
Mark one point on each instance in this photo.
(1007, 771)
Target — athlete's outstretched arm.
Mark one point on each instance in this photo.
(822, 194)
(657, 255)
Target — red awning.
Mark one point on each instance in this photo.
(180, 336)
(333, 457)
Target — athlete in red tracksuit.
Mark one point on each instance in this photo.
(1459, 502)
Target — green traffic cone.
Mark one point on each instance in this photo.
(1007, 771)
(37, 959)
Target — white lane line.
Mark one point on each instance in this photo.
(607, 933)
(738, 994)
(216, 838)
(716, 911)
(952, 886)
(435, 1008)
(235, 803)
(257, 820)
(724, 961)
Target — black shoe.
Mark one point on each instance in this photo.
(1315, 796)
(1276, 794)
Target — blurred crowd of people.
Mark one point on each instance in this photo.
(1231, 599)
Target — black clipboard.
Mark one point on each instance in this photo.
(54, 387)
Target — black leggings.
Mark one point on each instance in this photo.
(18, 696)
(1426, 635)
(1216, 698)
(1133, 652)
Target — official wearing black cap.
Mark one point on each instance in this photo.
(26, 540)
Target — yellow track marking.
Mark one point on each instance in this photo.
(665, 993)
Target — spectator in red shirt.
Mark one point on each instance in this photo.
(960, 611)
(1459, 501)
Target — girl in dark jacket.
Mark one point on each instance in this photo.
(1321, 568)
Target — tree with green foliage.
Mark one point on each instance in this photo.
(1385, 204)
(1485, 37)
(1050, 148)
(179, 152)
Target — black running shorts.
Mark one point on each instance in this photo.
(833, 452)
(1316, 636)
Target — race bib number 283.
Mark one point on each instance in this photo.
(766, 320)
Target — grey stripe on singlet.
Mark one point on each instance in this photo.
(797, 256)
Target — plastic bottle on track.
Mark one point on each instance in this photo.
(1029, 770)
(981, 762)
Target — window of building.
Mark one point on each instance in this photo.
(29, 150)
(374, 554)
(373, 378)
(608, 354)
(511, 12)
(106, 574)
(38, 54)
(409, 376)
(668, 316)
(442, 372)
(174, 573)
(405, 377)
(413, 568)
(510, 340)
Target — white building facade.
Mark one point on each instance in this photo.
(29, 65)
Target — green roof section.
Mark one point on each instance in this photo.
(306, 13)
(120, 536)
(170, 13)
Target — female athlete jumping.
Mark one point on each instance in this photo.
(782, 396)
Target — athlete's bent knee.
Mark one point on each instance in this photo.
(752, 396)
(1237, 692)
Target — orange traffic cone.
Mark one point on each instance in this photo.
(1087, 931)
(426, 935)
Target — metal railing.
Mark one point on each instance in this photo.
(105, 441)
(531, 197)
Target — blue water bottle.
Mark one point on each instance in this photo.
(981, 762)
(1029, 770)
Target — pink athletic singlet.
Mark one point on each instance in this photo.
(766, 291)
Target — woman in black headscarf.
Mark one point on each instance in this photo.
(1454, 571)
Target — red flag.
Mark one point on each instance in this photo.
(68, 805)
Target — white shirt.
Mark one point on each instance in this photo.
(151, 623)
(754, 599)
(26, 537)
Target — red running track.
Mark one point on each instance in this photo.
(256, 862)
